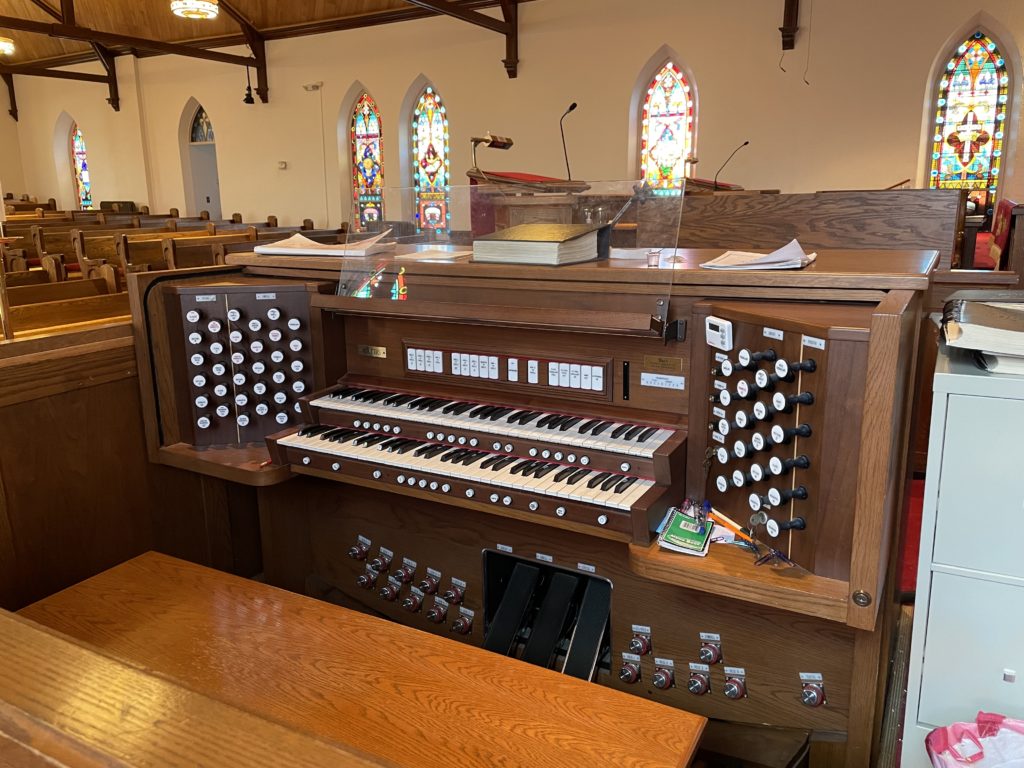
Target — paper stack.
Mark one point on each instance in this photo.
(789, 256)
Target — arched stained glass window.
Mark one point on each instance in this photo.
(666, 138)
(970, 121)
(81, 164)
(367, 162)
(430, 162)
(202, 128)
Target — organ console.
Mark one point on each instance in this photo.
(485, 452)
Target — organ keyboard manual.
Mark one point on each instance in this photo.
(486, 451)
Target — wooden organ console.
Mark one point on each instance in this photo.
(485, 451)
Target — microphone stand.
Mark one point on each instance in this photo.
(714, 186)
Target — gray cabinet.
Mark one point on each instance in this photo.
(967, 652)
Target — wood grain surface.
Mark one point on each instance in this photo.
(65, 704)
(388, 691)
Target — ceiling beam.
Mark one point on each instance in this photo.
(67, 11)
(257, 44)
(790, 24)
(106, 57)
(9, 79)
(507, 26)
(71, 32)
(473, 17)
(59, 74)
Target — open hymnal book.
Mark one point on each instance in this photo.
(789, 256)
(299, 245)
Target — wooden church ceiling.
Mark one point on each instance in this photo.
(152, 20)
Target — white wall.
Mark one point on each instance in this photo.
(858, 124)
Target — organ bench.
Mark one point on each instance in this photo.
(484, 452)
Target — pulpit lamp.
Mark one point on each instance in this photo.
(6, 46)
(202, 10)
(494, 142)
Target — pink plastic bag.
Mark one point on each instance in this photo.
(992, 741)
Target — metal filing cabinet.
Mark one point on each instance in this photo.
(967, 652)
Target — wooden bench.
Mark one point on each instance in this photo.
(63, 312)
(410, 698)
(18, 296)
(135, 254)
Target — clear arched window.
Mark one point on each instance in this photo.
(367, 162)
(430, 162)
(666, 136)
(81, 165)
(202, 128)
(970, 121)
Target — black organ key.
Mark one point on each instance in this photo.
(546, 420)
(601, 427)
(546, 470)
(612, 480)
(566, 424)
(475, 413)
(462, 408)
(633, 432)
(564, 474)
(588, 425)
(505, 462)
(646, 435)
(625, 484)
(452, 406)
(423, 449)
(597, 479)
(620, 430)
(472, 458)
(492, 461)
(314, 430)
(530, 417)
(577, 476)
(521, 466)
(499, 412)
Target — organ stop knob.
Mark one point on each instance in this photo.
(359, 551)
(462, 625)
(812, 694)
(437, 613)
(640, 645)
(709, 653)
(698, 684)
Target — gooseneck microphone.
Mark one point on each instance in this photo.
(565, 151)
(741, 146)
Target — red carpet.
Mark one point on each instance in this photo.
(911, 544)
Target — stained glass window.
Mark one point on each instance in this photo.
(367, 163)
(970, 121)
(82, 181)
(202, 128)
(666, 138)
(430, 162)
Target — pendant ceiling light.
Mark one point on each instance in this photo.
(195, 9)
(6, 46)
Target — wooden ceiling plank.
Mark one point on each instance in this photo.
(473, 17)
(9, 80)
(48, 9)
(258, 46)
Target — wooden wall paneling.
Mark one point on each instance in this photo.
(285, 533)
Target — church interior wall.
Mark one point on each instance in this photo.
(856, 123)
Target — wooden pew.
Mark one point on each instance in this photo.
(31, 205)
(52, 314)
(18, 296)
(221, 250)
(179, 253)
(28, 277)
(135, 254)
